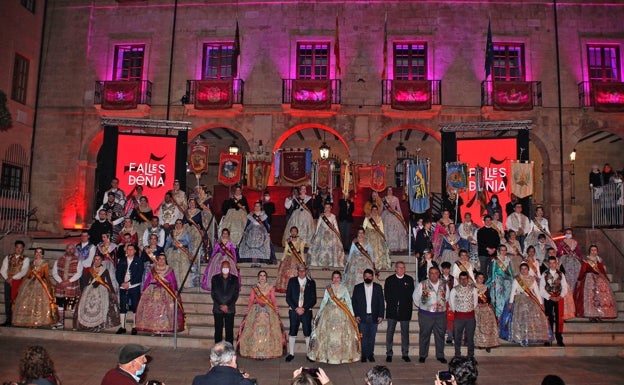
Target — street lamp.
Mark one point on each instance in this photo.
(324, 149)
(234, 148)
(572, 160)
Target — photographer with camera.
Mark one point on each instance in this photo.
(224, 370)
(310, 376)
(132, 364)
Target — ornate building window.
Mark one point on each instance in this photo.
(508, 63)
(14, 169)
(20, 78)
(410, 61)
(129, 62)
(603, 63)
(217, 61)
(312, 61)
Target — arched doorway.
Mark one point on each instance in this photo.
(409, 142)
(594, 148)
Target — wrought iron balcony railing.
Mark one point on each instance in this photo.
(511, 96)
(122, 94)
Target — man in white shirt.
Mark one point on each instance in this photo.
(430, 297)
(368, 309)
(554, 288)
(14, 268)
(519, 223)
(463, 300)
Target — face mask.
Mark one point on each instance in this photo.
(568, 236)
(225, 270)
(140, 371)
(368, 281)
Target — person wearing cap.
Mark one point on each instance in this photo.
(131, 365)
(301, 298)
(224, 370)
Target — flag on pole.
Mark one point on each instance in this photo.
(337, 49)
(385, 48)
(236, 50)
(521, 179)
(489, 51)
(418, 187)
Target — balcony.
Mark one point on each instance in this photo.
(511, 96)
(603, 96)
(214, 94)
(411, 94)
(122, 94)
(308, 94)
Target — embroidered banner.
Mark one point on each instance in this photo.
(230, 168)
(294, 166)
(324, 173)
(418, 187)
(213, 94)
(121, 95)
(378, 177)
(512, 96)
(521, 179)
(311, 94)
(411, 95)
(456, 175)
(363, 175)
(608, 97)
(198, 158)
(258, 170)
(346, 177)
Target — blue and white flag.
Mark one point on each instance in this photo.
(418, 186)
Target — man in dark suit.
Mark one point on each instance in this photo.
(368, 308)
(224, 294)
(345, 218)
(224, 370)
(398, 291)
(301, 298)
(129, 275)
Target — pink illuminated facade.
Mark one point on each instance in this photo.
(294, 88)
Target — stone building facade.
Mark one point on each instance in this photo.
(21, 24)
(446, 40)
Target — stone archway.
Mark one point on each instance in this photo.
(218, 137)
(420, 141)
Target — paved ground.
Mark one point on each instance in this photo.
(84, 363)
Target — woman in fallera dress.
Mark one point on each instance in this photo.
(394, 224)
(524, 321)
(98, 307)
(234, 212)
(335, 335)
(294, 255)
(500, 281)
(255, 247)
(299, 205)
(450, 245)
(156, 309)
(261, 334)
(593, 296)
(223, 250)
(326, 249)
(360, 258)
(108, 251)
(35, 305)
(570, 257)
(486, 332)
(178, 250)
(375, 235)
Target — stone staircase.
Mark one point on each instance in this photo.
(582, 338)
